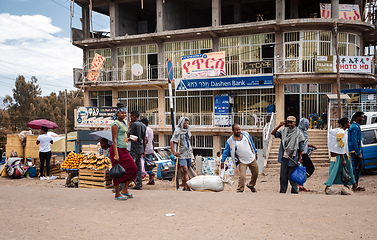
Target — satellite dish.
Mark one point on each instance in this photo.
(137, 69)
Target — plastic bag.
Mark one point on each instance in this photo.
(117, 171)
(345, 175)
(299, 175)
(149, 164)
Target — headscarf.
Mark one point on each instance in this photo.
(304, 126)
(179, 130)
(119, 107)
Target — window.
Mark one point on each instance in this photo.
(174, 51)
(144, 101)
(369, 137)
(106, 53)
(100, 98)
(145, 55)
(239, 50)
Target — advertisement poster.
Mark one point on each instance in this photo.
(95, 68)
(222, 117)
(94, 117)
(347, 64)
(203, 65)
(346, 11)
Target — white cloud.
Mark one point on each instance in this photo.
(28, 48)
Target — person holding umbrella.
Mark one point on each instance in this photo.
(44, 140)
(120, 155)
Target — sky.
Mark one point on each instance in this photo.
(35, 41)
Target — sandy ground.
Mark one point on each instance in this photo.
(34, 209)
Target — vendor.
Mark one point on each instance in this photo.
(105, 147)
(44, 140)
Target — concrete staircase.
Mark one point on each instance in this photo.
(319, 157)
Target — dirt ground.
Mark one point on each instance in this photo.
(34, 209)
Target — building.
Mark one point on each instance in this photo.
(290, 33)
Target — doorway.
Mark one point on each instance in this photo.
(292, 106)
(153, 64)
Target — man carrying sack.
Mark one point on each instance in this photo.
(291, 147)
(243, 153)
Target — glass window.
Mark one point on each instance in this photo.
(100, 98)
(368, 137)
(106, 53)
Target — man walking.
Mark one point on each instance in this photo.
(243, 152)
(137, 129)
(354, 148)
(291, 147)
(149, 149)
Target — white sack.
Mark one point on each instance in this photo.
(212, 183)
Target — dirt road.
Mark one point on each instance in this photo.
(34, 209)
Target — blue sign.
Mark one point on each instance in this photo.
(169, 66)
(222, 117)
(243, 82)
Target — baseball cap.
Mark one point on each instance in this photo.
(291, 119)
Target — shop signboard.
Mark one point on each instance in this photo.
(94, 117)
(222, 117)
(257, 65)
(346, 11)
(95, 68)
(219, 83)
(203, 65)
(324, 64)
(347, 64)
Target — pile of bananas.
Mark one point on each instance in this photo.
(96, 161)
(72, 161)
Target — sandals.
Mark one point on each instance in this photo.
(121, 198)
(303, 189)
(360, 189)
(129, 195)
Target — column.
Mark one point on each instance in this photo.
(114, 19)
(279, 106)
(279, 49)
(280, 10)
(216, 12)
(160, 16)
(294, 9)
(215, 44)
(114, 97)
(216, 145)
(335, 9)
(86, 98)
(161, 107)
(85, 21)
(161, 60)
(161, 140)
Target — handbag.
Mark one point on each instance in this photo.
(299, 174)
(117, 171)
(149, 164)
(345, 175)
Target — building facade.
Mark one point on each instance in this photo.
(290, 33)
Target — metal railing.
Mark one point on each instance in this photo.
(267, 134)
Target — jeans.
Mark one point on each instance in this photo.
(355, 162)
(44, 157)
(150, 157)
(137, 158)
(285, 172)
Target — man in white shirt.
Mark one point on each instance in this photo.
(44, 140)
(243, 152)
(149, 149)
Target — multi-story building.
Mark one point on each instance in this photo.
(290, 33)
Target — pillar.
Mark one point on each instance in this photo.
(279, 104)
(161, 107)
(160, 16)
(279, 50)
(237, 11)
(215, 44)
(161, 60)
(86, 98)
(114, 19)
(335, 9)
(114, 97)
(280, 10)
(85, 21)
(294, 9)
(161, 140)
(216, 13)
(216, 145)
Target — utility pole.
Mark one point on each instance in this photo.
(337, 69)
(65, 124)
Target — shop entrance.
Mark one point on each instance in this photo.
(292, 106)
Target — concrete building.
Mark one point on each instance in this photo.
(290, 33)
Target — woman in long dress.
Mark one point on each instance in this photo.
(338, 147)
(120, 155)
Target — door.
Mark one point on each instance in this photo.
(153, 63)
(292, 106)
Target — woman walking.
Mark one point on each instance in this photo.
(120, 155)
(306, 161)
(338, 147)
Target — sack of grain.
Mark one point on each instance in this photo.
(201, 183)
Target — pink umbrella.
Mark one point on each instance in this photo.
(38, 124)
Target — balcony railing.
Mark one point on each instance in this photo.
(253, 120)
